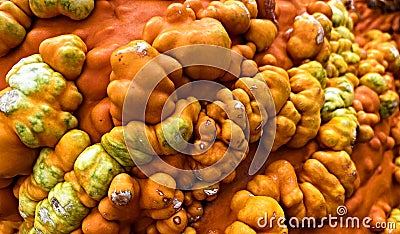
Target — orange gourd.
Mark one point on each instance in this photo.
(333, 119)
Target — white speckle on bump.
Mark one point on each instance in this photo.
(177, 204)
(210, 192)
(238, 105)
(9, 101)
(45, 217)
(141, 48)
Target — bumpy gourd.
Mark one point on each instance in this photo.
(317, 70)
(340, 132)
(35, 111)
(383, 42)
(299, 119)
(306, 39)
(94, 169)
(254, 208)
(316, 190)
(340, 16)
(38, 96)
(126, 62)
(61, 211)
(161, 32)
(149, 140)
(122, 200)
(308, 98)
(65, 54)
(389, 103)
(336, 65)
(375, 98)
(50, 169)
(234, 15)
(112, 144)
(180, 28)
(95, 174)
(76, 10)
(338, 94)
(286, 122)
(251, 93)
(238, 17)
(258, 34)
(350, 54)
(14, 23)
(375, 82)
(278, 83)
(339, 128)
(223, 121)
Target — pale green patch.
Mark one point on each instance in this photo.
(47, 176)
(26, 135)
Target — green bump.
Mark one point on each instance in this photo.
(26, 135)
(375, 82)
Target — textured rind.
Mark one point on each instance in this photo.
(371, 179)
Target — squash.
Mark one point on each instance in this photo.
(36, 112)
(50, 168)
(314, 193)
(14, 25)
(126, 62)
(234, 15)
(15, 17)
(74, 10)
(63, 200)
(366, 113)
(65, 54)
(337, 88)
(27, 114)
(307, 97)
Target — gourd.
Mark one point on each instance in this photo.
(14, 25)
(335, 104)
(126, 62)
(62, 200)
(314, 195)
(16, 17)
(65, 53)
(36, 111)
(339, 94)
(74, 10)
